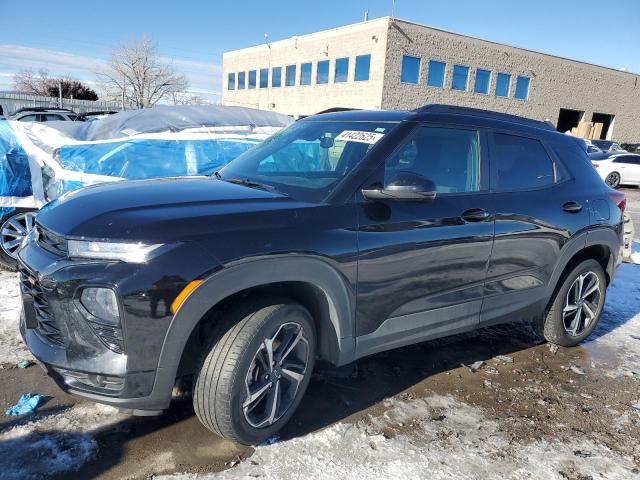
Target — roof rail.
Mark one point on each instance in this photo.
(42, 109)
(477, 112)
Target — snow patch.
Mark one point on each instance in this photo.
(12, 348)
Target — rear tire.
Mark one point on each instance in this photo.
(576, 306)
(236, 367)
(613, 180)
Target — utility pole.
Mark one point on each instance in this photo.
(393, 8)
(123, 83)
(60, 94)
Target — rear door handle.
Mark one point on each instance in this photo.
(572, 207)
(474, 215)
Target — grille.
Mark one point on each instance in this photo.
(47, 325)
(50, 241)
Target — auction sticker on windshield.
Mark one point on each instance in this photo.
(361, 137)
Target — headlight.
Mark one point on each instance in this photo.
(102, 304)
(124, 252)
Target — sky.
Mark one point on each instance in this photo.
(74, 37)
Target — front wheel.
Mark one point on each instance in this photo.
(576, 306)
(13, 229)
(253, 377)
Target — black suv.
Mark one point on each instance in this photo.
(344, 235)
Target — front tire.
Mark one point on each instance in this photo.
(13, 229)
(253, 377)
(576, 306)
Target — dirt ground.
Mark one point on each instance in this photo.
(529, 390)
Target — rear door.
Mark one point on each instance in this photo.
(536, 212)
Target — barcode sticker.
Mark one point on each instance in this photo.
(361, 137)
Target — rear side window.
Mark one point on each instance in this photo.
(519, 163)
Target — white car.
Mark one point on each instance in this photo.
(620, 169)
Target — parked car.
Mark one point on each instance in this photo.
(619, 169)
(631, 147)
(45, 115)
(342, 236)
(608, 146)
(594, 152)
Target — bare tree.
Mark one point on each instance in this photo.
(136, 71)
(42, 84)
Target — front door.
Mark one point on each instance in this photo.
(422, 265)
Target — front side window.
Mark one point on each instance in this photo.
(483, 78)
(231, 81)
(363, 67)
(460, 78)
(276, 77)
(519, 163)
(342, 70)
(264, 77)
(410, 72)
(503, 82)
(252, 79)
(241, 80)
(290, 76)
(322, 73)
(435, 77)
(629, 159)
(305, 74)
(309, 158)
(522, 88)
(449, 157)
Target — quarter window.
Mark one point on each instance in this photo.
(519, 163)
(231, 81)
(322, 72)
(460, 78)
(483, 78)
(410, 72)
(290, 76)
(305, 74)
(448, 157)
(435, 77)
(264, 77)
(241, 80)
(522, 88)
(342, 70)
(363, 67)
(276, 77)
(503, 81)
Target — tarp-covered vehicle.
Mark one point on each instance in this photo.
(40, 162)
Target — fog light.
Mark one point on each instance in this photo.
(102, 304)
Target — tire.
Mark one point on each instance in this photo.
(10, 227)
(236, 361)
(613, 180)
(558, 327)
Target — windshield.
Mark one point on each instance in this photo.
(308, 159)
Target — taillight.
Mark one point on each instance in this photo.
(619, 199)
(595, 165)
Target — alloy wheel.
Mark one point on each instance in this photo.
(13, 232)
(613, 179)
(582, 303)
(274, 377)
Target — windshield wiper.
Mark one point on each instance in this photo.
(251, 184)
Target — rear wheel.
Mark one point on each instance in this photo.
(13, 229)
(253, 377)
(576, 306)
(613, 180)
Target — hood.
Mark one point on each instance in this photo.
(161, 210)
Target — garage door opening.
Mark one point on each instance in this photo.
(567, 119)
(607, 124)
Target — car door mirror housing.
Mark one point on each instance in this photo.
(405, 187)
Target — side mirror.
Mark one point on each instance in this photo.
(407, 187)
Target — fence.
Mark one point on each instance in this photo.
(10, 102)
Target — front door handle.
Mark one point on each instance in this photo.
(474, 215)
(572, 207)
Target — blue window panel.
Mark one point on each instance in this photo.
(305, 74)
(363, 68)
(276, 77)
(410, 72)
(290, 76)
(342, 70)
(483, 79)
(322, 73)
(264, 77)
(241, 80)
(460, 78)
(435, 77)
(231, 82)
(252, 79)
(522, 88)
(503, 80)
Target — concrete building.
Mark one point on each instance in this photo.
(394, 64)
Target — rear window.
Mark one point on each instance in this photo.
(519, 163)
